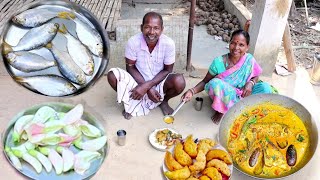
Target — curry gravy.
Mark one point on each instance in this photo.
(259, 139)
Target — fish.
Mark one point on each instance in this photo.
(89, 37)
(34, 38)
(28, 62)
(80, 54)
(50, 85)
(36, 17)
(68, 68)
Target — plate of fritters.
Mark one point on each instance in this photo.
(203, 159)
(164, 139)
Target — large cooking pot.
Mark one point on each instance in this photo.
(297, 108)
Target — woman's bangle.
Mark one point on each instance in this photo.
(252, 82)
(192, 90)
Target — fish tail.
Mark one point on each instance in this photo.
(63, 29)
(6, 48)
(18, 79)
(66, 15)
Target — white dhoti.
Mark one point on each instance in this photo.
(125, 83)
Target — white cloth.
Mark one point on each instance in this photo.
(125, 83)
(150, 64)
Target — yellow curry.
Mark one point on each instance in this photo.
(268, 141)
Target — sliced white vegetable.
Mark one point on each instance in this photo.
(42, 158)
(68, 159)
(72, 130)
(90, 130)
(56, 161)
(14, 159)
(73, 115)
(19, 125)
(83, 160)
(91, 145)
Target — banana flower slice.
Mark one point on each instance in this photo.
(91, 145)
(73, 115)
(48, 127)
(68, 158)
(54, 157)
(14, 159)
(21, 152)
(90, 130)
(19, 125)
(72, 130)
(83, 160)
(42, 158)
(42, 115)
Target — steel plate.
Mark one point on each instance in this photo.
(13, 33)
(28, 170)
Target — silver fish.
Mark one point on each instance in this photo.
(78, 52)
(36, 17)
(89, 37)
(51, 85)
(67, 66)
(35, 38)
(28, 62)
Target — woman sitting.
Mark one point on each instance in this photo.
(231, 77)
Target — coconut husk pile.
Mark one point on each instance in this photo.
(219, 22)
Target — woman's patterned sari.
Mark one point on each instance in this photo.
(225, 88)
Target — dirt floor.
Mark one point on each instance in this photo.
(305, 40)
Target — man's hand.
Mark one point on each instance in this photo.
(247, 89)
(154, 95)
(139, 91)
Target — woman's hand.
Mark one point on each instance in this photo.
(187, 96)
(247, 89)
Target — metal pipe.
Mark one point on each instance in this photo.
(190, 34)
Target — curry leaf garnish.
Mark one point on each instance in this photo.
(300, 138)
(242, 150)
(267, 139)
(246, 125)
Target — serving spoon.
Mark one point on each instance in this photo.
(170, 118)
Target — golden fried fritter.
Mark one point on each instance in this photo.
(190, 147)
(183, 173)
(213, 173)
(220, 165)
(181, 156)
(219, 154)
(171, 163)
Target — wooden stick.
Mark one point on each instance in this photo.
(306, 8)
(288, 49)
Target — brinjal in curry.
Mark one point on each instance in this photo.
(268, 141)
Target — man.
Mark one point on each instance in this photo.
(148, 81)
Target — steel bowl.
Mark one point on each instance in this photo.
(12, 33)
(253, 100)
(28, 171)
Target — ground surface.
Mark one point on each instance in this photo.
(305, 40)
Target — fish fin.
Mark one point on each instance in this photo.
(63, 29)
(18, 79)
(66, 15)
(7, 48)
(49, 45)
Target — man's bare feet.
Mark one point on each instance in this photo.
(166, 109)
(216, 117)
(126, 115)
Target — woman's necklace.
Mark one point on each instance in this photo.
(230, 63)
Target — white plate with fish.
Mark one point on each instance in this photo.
(14, 139)
(54, 48)
(164, 138)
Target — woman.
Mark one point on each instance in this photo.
(231, 77)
